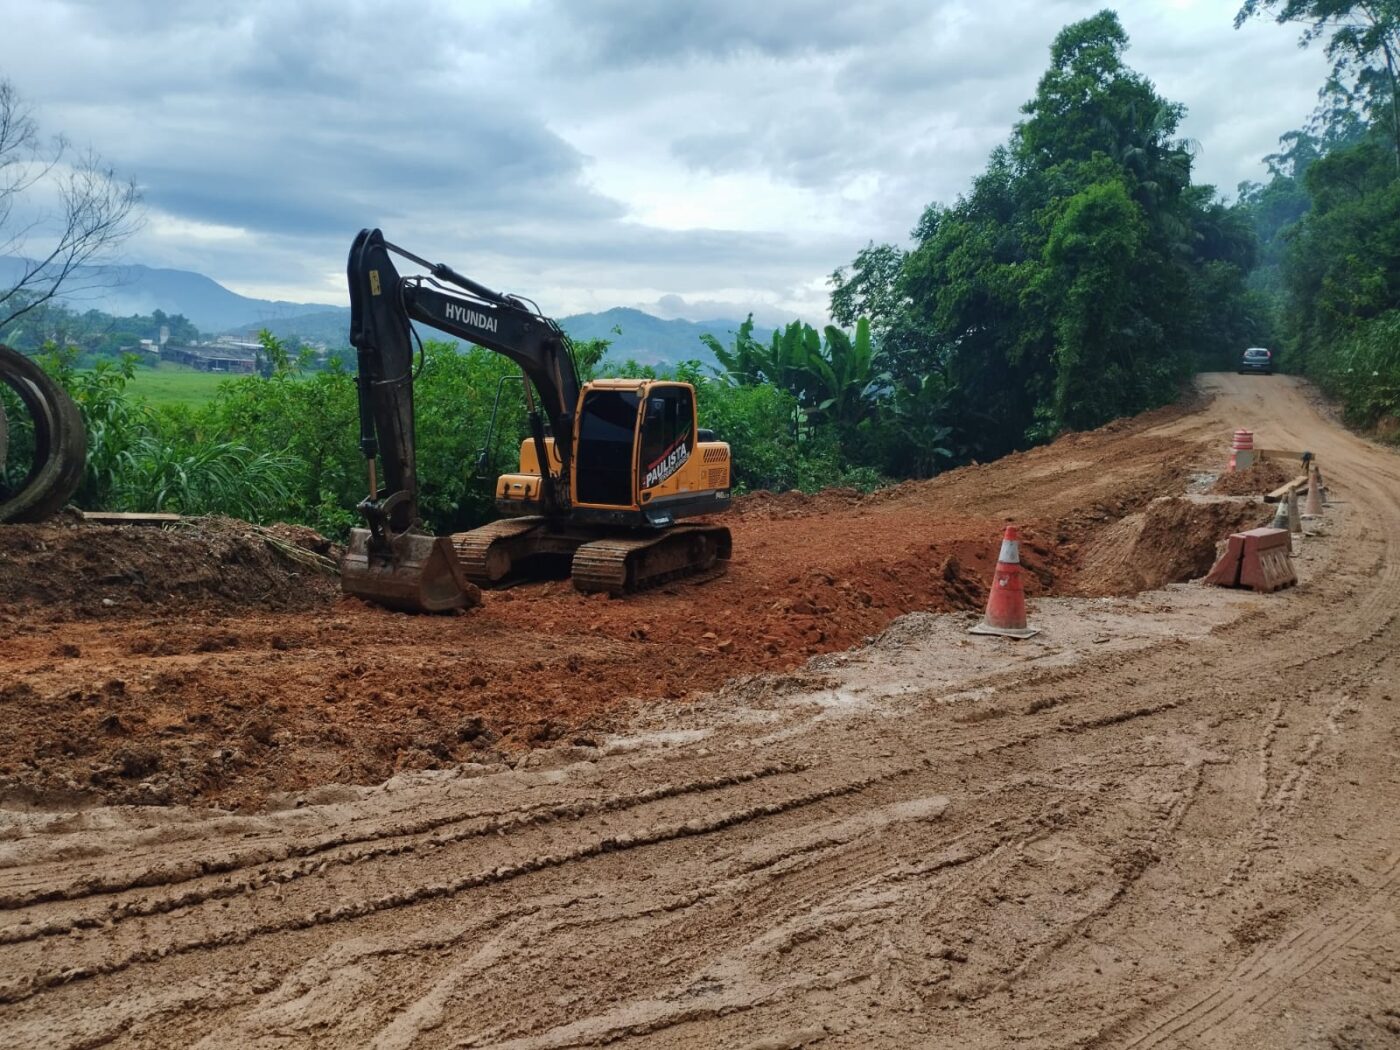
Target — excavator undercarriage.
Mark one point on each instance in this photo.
(599, 560)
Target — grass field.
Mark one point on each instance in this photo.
(172, 384)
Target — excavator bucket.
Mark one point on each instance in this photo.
(419, 573)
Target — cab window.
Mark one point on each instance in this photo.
(667, 439)
(607, 427)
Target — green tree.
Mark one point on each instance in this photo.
(1082, 276)
(1089, 261)
(96, 210)
(1362, 39)
(869, 287)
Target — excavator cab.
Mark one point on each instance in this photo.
(639, 459)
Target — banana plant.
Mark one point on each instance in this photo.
(845, 371)
(835, 380)
(743, 364)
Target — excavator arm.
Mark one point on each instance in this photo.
(392, 561)
(382, 305)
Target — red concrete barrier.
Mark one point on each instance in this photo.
(1259, 559)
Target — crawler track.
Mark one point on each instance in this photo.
(622, 566)
(504, 551)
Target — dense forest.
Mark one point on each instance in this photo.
(1328, 220)
(1083, 276)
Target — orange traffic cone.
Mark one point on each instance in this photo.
(1006, 605)
(1242, 450)
(1313, 507)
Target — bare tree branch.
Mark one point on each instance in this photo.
(93, 212)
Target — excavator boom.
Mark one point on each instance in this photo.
(393, 562)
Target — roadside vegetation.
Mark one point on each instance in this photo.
(1328, 219)
(1083, 277)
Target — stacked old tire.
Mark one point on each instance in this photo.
(59, 442)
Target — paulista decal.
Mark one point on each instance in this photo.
(463, 315)
(668, 462)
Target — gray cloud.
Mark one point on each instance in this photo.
(593, 152)
(626, 32)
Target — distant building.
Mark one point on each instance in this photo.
(225, 342)
(237, 359)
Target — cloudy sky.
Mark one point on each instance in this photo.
(694, 159)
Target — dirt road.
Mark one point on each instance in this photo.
(1167, 821)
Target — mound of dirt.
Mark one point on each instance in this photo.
(72, 569)
(1265, 476)
(1173, 540)
(764, 505)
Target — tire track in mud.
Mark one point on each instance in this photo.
(17, 990)
(962, 855)
(808, 899)
(615, 932)
(92, 885)
(499, 822)
(800, 891)
(1262, 977)
(1142, 856)
(1274, 807)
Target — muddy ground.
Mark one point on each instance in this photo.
(1167, 820)
(201, 664)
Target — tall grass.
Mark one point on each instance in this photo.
(1363, 371)
(209, 478)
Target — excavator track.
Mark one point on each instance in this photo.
(623, 565)
(500, 551)
(490, 553)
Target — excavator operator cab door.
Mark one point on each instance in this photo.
(667, 441)
(605, 452)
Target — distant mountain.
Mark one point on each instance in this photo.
(126, 290)
(646, 339)
(328, 324)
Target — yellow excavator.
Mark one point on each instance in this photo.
(607, 474)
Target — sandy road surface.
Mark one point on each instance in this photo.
(1168, 821)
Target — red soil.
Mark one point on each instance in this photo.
(253, 678)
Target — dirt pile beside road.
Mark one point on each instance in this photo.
(1263, 477)
(1172, 541)
(71, 570)
(762, 504)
